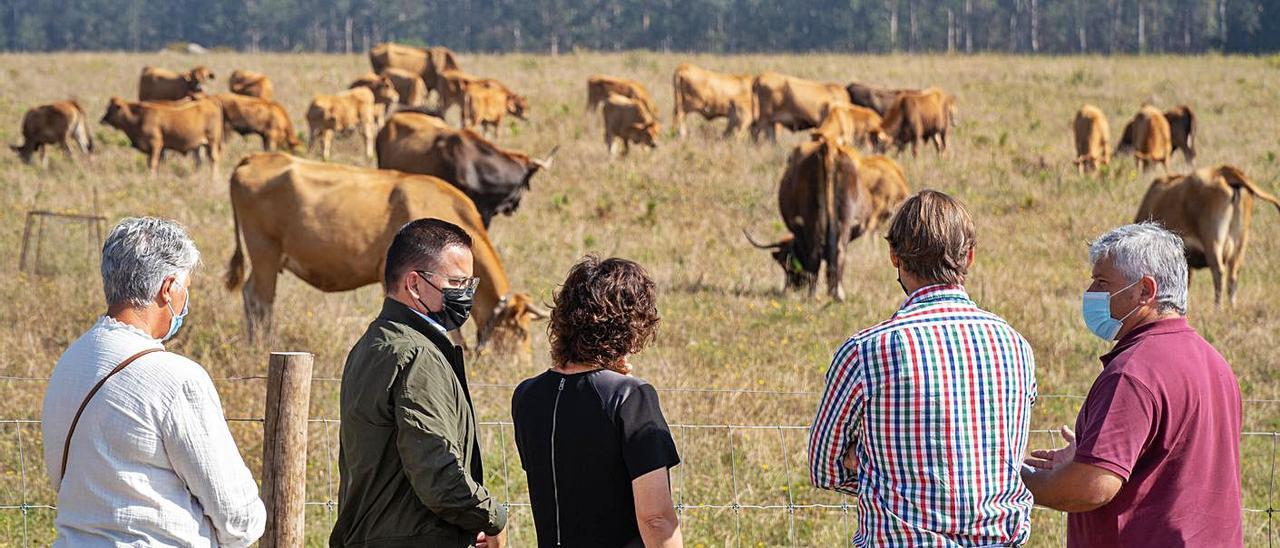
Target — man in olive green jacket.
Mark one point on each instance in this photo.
(409, 457)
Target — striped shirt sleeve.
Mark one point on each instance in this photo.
(836, 426)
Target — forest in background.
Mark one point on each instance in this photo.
(718, 26)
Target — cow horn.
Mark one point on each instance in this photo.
(538, 312)
(545, 163)
(758, 245)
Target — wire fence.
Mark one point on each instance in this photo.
(738, 484)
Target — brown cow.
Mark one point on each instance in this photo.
(353, 109)
(385, 95)
(794, 103)
(628, 121)
(850, 125)
(184, 127)
(874, 98)
(1182, 131)
(599, 87)
(508, 331)
(267, 119)
(494, 178)
(165, 85)
(253, 84)
(453, 89)
(330, 225)
(1093, 139)
(53, 124)
(408, 85)
(919, 116)
(428, 63)
(1147, 136)
(486, 101)
(1211, 209)
(713, 95)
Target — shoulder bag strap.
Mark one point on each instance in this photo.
(66, 446)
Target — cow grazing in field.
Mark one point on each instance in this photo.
(850, 125)
(330, 225)
(628, 121)
(353, 109)
(919, 116)
(253, 84)
(828, 196)
(429, 63)
(185, 127)
(165, 85)
(57, 123)
(487, 101)
(267, 119)
(508, 332)
(1093, 139)
(600, 87)
(410, 88)
(794, 103)
(453, 89)
(713, 95)
(1147, 136)
(494, 178)
(1211, 209)
(1182, 131)
(385, 95)
(874, 98)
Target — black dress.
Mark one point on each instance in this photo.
(582, 439)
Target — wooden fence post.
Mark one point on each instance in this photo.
(284, 447)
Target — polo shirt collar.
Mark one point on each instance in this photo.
(1150, 329)
(937, 293)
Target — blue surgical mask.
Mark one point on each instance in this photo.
(1096, 308)
(175, 321)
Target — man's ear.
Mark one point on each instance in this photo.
(968, 261)
(166, 291)
(893, 259)
(1147, 290)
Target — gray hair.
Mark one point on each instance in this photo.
(1147, 249)
(139, 254)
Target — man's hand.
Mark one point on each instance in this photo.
(850, 460)
(486, 541)
(1051, 459)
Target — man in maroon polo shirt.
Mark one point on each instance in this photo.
(1155, 458)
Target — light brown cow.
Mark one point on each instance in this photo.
(1211, 209)
(453, 90)
(1147, 137)
(57, 123)
(850, 125)
(330, 225)
(713, 95)
(385, 95)
(1093, 139)
(919, 116)
(1182, 131)
(628, 121)
(409, 86)
(267, 119)
(599, 87)
(253, 84)
(184, 127)
(887, 184)
(794, 103)
(428, 63)
(350, 110)
(165, 85)
(486, 102)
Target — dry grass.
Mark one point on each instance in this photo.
(679, 211)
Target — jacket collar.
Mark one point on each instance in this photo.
(395, 311)
(1144, 331)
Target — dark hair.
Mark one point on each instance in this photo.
(931, 235)
(418, 244)
(605, 310)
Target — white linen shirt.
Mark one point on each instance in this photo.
(152, 462)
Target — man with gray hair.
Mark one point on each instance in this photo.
(135, 442)
(1155, 456)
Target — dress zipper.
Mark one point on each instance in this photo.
(555, 486)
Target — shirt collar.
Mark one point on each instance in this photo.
(936, 293)
(112, 324)
(433, 323)
(1149, 329)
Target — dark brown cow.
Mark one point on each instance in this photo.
(267, 119)
(165, 85)
(794, 103)
(628, 121)
(919, 116)
(57, 123)
(428, 63)
(1182, 131)
(600, 87)
(253, 84)
(494, 178)
(874, 98)
(185, 127)
(713, 95)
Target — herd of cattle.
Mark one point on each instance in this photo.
(329, 224)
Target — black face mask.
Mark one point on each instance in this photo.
(457, 306)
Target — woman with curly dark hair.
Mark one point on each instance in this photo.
(592, 438)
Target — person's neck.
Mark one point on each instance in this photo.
(913, 284)
(571, 368)
(144, 319)
(1144, 318)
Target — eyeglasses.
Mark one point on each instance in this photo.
(462, 282)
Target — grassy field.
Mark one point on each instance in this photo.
(679, 210)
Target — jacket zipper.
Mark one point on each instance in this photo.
(555, 485)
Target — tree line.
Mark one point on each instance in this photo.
(719, 26)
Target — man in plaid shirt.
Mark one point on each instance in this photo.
(925, 416)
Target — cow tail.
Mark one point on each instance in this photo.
(678, 96)
(235, 268)
(1238, 182)
(827, 203)
(81, 129)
